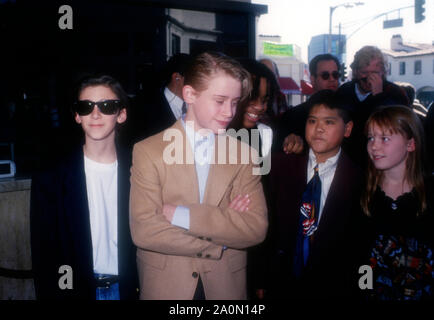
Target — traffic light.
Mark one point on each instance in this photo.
(343, 72)
(419, 11)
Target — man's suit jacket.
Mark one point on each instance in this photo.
(61, 232)
(327, 271)
(170, 258)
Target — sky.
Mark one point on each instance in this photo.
(296, 21)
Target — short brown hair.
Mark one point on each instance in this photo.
(207, 64)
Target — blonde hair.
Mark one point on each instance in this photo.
(365, 55)
(399, 120)
(208, 64)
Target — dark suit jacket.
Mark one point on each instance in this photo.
(392, 94)
(326, 273)
(61, 233)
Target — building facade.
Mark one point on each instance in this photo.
(288, 60)
(412, 63)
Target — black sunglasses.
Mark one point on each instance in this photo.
(326, 75)
(108, 107)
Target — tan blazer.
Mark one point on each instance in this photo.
(169, 258)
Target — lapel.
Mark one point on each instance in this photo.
(184, 172)
(124, 164)
(166, 110)
(77, 208)
(220, 176)
(333, 209)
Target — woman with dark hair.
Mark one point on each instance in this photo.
(255, 112)
(80, 237)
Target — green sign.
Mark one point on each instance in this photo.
(282, 50)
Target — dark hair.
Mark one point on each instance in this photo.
(331, 100)
(409, 90)
(257, 71)
(102, 80)
(177, 63)
(313, 64)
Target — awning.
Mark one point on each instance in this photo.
(306, 88)
(288, 86)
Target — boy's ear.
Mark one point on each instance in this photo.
(122, 116)
(77, 118)
(189, 94)
(348, 127)
(411, 145)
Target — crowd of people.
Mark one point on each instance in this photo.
(185, 215)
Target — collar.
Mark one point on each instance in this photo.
(194, 137)
(329, 164)
(361, 96)
(173, 99)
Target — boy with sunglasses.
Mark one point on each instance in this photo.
(324, 75)
(79, 208)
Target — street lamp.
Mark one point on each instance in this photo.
(346, 5)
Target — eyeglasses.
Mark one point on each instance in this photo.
(107, 107)
(325, 75)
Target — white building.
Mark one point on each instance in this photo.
(289, 65)
(412, 63)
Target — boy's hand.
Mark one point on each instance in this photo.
(293, 144)
(169, 211)
(240, 203)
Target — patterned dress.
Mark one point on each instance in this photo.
(400, 248)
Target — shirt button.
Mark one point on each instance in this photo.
(199, 254)
(194, 274)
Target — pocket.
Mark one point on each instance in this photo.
(152, 259)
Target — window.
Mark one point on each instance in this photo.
(176, 44)
(418, 67)
(402, 68)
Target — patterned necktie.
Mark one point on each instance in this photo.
(308, 222)
(184, 108)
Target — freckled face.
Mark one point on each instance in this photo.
(214, 107)
(387, 150)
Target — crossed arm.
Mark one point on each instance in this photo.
(232, 224)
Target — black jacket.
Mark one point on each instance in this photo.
(61, 232)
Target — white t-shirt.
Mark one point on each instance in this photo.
(102, 187)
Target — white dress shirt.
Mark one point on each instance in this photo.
(203, 150)
(102, 195)
(175, 103)
(266, 138)
(326, 172)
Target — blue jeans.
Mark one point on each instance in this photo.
(110, 293)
